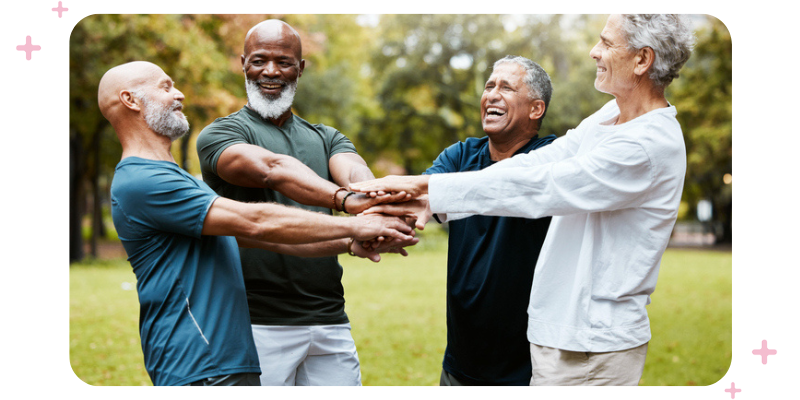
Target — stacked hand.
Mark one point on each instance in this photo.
(393, 196)
(411, 186)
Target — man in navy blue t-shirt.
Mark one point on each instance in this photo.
(490, 259)
(181, 238)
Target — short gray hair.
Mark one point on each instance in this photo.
(670, 37)
(536, 78)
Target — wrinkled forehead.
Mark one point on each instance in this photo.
(507, 71)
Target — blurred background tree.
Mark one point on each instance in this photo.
(703, 96)
(402, 87)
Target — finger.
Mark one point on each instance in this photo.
(422, 220)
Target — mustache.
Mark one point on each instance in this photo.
(264, 81)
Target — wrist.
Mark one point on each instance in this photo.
(344, 200)
(350, 246)
(336, 199)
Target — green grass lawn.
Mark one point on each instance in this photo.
(397, 311)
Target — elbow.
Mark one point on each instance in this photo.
(274, 174)
(257, 227)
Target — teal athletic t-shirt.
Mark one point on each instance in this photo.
(193, 317)
(281, 289)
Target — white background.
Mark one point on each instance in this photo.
(34, 285)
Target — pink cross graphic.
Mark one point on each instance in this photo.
(764, 352)
(733, 390)
(60, 9)
(28, 48)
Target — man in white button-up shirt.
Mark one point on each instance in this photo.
(612, 185)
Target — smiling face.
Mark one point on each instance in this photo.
(615, 63)
(272, 58)
(506, 104)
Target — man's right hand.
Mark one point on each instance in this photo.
(368, 227)
(417, 209)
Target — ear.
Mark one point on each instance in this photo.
(302, 67)
(537, 110)
(644, 60)
(129, 101)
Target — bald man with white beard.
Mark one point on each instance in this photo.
(181, 238)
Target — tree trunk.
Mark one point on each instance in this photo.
(97, 214)
(76, 170)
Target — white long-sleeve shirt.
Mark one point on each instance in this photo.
(614, 192)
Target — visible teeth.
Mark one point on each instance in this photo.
(493, 110)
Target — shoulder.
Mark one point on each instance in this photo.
(468, 147)
(236, 122)
(322, 128)
(134, 178)
(458, 155)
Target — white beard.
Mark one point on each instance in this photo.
(163, 120)
(267, 106)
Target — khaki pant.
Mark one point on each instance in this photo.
(555, 367)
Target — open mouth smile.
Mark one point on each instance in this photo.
(494, 112)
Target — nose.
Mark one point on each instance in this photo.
(492, 94)
(271, 69)
(594, 53)
(179, 95)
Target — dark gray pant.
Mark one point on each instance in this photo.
(229, 380)
(449, 380)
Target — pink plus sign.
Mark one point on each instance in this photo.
(764, 352)
(733, 390)
(60, 9)
(28, 48)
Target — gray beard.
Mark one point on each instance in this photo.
(163, 120)
(267, 106)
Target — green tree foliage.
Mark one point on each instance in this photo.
(703, 97)
(430, 70)
(176, 43)
(402, 87)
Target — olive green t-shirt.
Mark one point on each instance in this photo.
(281, 289)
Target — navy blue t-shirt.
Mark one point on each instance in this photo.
(490, 263)
(193, 317)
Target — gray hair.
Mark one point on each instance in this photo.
(670, 37)
(536, 78)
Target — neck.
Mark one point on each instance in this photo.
(502, 149)
(148, 145)
(640, 102)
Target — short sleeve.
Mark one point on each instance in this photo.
(447, 161)
(214, 139)
(164, 200)
(339, 143)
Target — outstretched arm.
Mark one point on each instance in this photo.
(253, 166)
(281, 224)
(332, 247)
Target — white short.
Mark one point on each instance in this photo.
(555, 367)
(315, 355)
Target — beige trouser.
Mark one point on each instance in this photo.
(555, 367)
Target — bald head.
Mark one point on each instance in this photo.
(128, 77)
(272, 32)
